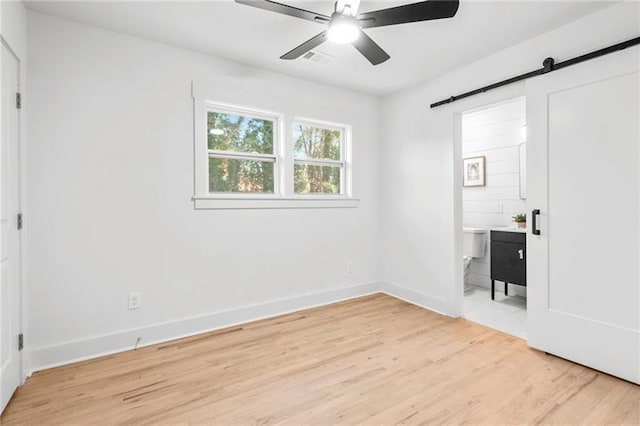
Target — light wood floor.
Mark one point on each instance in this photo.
(373, 360)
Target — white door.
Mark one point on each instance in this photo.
(583, 175)
(10, 251)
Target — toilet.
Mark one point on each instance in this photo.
(474, 246)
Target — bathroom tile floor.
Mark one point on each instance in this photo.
(506, 313)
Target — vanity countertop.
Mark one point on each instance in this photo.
(509, 229)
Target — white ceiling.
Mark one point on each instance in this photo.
(419, 51)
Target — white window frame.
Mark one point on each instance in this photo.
(344, 162)
(277, 120)
(207, 97)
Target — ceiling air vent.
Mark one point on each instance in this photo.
(318, 57)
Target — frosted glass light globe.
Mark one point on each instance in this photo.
(343, 29)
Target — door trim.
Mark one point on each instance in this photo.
(505, 94)
(22, 357)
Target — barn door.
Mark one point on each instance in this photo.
(584, 187)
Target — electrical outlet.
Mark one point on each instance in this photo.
(350, 267)
(134, 300)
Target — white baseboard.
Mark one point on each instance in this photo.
(96, 346)
(424, 300)
(93, 347)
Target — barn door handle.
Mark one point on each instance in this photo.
(534, 225)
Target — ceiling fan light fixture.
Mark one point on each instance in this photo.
(343, 29)
(346, 24)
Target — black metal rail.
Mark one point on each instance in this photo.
(548, 65)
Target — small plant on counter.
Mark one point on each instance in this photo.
(521, 220)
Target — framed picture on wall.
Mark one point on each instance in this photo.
(474, 174)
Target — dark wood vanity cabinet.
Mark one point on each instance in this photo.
(508, 259)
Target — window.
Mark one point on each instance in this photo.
(241, 148)
(318, 159)
(267, 156)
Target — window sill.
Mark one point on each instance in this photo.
(220, 203)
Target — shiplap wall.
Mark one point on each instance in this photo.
(496, 133)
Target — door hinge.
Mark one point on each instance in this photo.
(19, 221)
(19, 100)
(20, 341)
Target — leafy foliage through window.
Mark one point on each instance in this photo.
(263, 155)
(241, 152)
(318, 162)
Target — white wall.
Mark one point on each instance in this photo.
(494, 132)
(110, 180)
(421, 192)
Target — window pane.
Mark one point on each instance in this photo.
(235, 132)
(230, 175)
(316, 142)
(312, 179)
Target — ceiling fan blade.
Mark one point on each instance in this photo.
(415, 12)
(370, 49)
(284, 9)
(306, 46)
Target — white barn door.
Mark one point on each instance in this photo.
(9, 248)
(584, 177)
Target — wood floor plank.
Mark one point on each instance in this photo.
(374, 360)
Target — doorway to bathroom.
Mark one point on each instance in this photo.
(494, 205)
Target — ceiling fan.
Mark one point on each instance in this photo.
(345, 25)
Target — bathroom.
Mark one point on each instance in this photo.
(494, 215)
